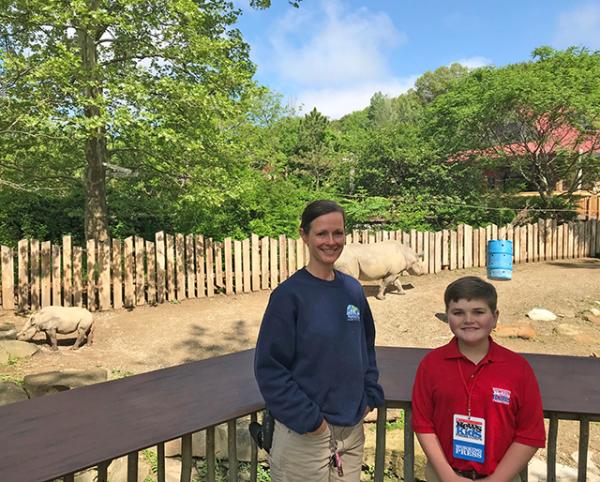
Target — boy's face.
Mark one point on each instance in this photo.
(471, 321)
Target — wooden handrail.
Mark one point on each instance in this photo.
(73, 430)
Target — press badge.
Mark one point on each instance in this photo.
(468, 441)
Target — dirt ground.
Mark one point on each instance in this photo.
(149, 338)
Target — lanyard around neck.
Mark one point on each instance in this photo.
(469, 391)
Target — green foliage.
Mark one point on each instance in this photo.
(539, 119)
(12, 379)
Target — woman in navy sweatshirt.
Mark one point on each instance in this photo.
(315, 360)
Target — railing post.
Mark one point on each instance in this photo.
(551, 452)
(409, 446)
(253, 454)
(584, 438)
(160, 462)
(186, 458)
(210, 455)
(380, 443)
(132, 467)
(232, 473)
(103, 471)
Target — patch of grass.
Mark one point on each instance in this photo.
(396, 424)
(12, 360)
(12, 378)
(152, 458)
(117, 373)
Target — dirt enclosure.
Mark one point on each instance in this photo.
(149, 338)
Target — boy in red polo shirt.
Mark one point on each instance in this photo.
(477, 409)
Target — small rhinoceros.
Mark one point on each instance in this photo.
(59, 319)
(383, 261)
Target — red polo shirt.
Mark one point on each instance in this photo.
(504, 392)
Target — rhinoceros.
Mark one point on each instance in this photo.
(59, 319)
(383, 261)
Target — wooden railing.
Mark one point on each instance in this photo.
(61, 434)
(134, 271)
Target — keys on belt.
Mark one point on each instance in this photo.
(336, 462)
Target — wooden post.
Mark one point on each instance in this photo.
(170, 247)
(8, 283)
(46, 274)
(246, 267)
(445, 249)
(255, 261)
(237, 266)
(548, 239)
(140, 275)
(91, 274)
(517, 244)
(23, 274)
(425, 244)
(218, 263)
(453, 251)
(159, 240)
(460, 246)
(67, 268)
(283, 272)
(468, 252)
(104, 275)
(200, 266)
(476, 247)
(34, 275)
(535, 255)
(228, 266)
(56, 276)
(300, 263)
(180, 266)
(151, 271)
(77, 276)
(128, 275)
(117, 274)
(483, 237)
(190, 263)
(210, 272)
(264, 263)
(291, 256)
(541, 227)
(274, 263)
(438, 252)
(432, 252)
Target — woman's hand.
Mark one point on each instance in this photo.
(321, 429)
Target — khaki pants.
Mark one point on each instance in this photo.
(305, 458)
(431, 475)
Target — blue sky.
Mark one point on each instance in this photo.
(334, 54)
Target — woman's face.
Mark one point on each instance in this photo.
(326, 238)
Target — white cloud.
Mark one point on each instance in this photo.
(332, 45)
(579, 27)
(472, 62)
(339, 101)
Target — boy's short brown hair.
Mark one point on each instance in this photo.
(471, 288)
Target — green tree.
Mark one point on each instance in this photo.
(145, 90)
(539, 119)
(314, 156)
(432, 84)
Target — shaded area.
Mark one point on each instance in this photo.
(587, 264)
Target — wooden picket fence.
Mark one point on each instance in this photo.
(134, 271)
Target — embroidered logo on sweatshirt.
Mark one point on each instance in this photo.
(501, 395)
(352, 313)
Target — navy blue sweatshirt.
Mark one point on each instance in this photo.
(315, 355)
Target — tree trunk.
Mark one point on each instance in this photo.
(96, 225)
(96, 154)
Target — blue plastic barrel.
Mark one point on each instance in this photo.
(499, 259)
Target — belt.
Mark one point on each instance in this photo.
(470, 474)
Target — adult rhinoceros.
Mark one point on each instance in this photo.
(383, 261)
